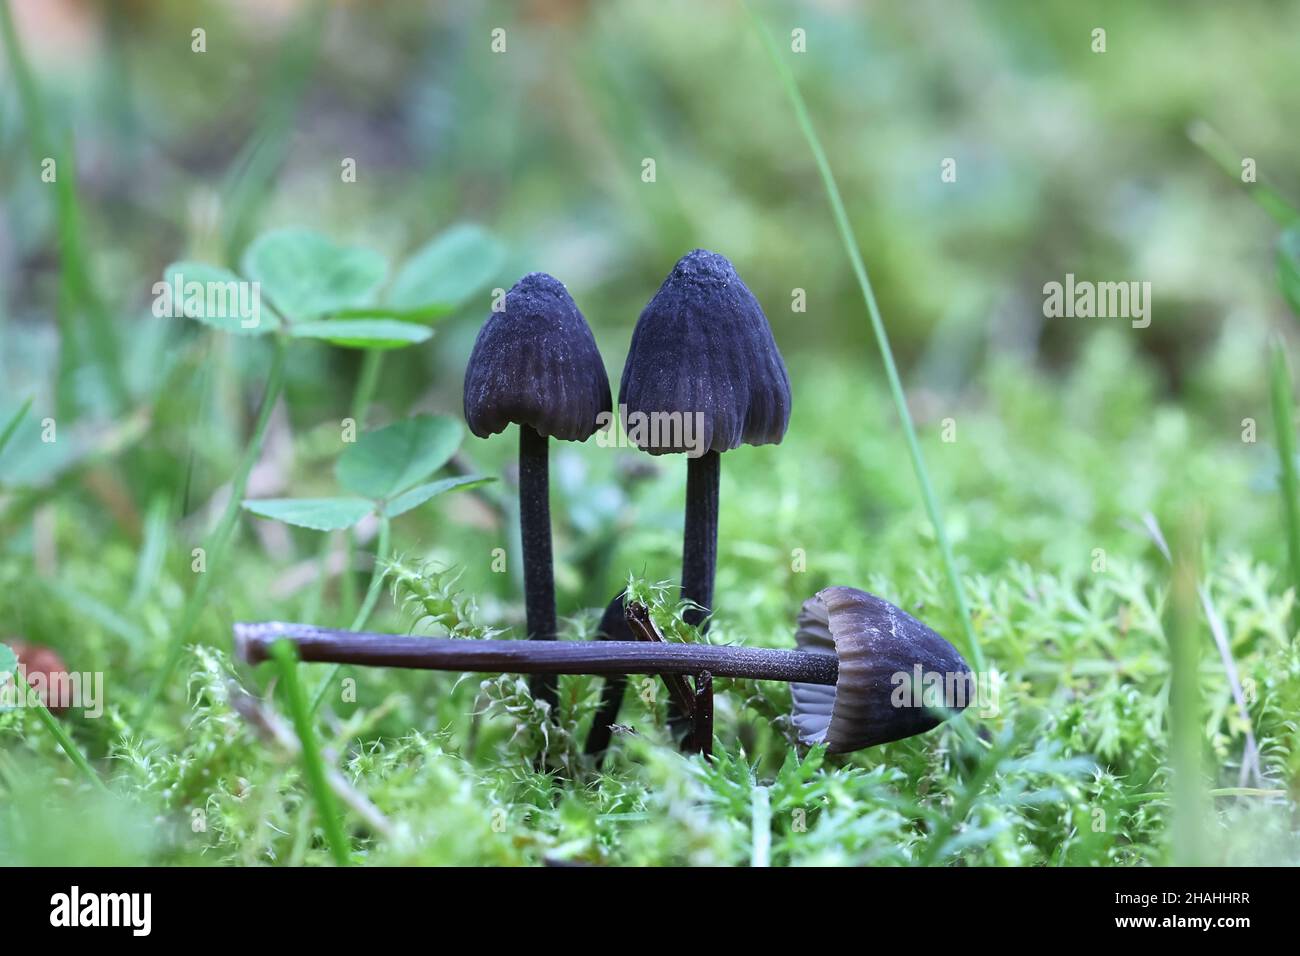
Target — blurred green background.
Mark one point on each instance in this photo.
(1067, 161)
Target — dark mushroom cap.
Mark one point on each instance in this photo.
(536, 363)
(879, 646)
(703, 345)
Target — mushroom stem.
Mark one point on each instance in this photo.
(318, 644)
(699, 548)
(700, 542)
(613, 627)
(535, 536)
(700, 739)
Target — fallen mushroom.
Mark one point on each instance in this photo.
(536, 365)
(855, 651)
(368, 649)
(882, 653)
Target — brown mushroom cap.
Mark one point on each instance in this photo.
(876, 698)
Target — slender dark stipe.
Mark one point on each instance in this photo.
(317, 644)
(613, 627)
(535, 535)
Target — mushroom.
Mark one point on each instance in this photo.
(857, 658)
(254, 643)
(535, 365)
(895, 677)
(703, 354)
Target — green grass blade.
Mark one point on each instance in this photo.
(367, 606)
(286, 657)
(882, 337)
(28, 93)
(1182, 616)
(216, 546)
(53, 726)
(14, 422)
(1265, 194)
(362, 396)
(1284, 425)
(371, 365)
(153, 550)
(76, 285)
(760, 853)
(104, 347)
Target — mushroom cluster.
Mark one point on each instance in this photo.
(704, 369)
